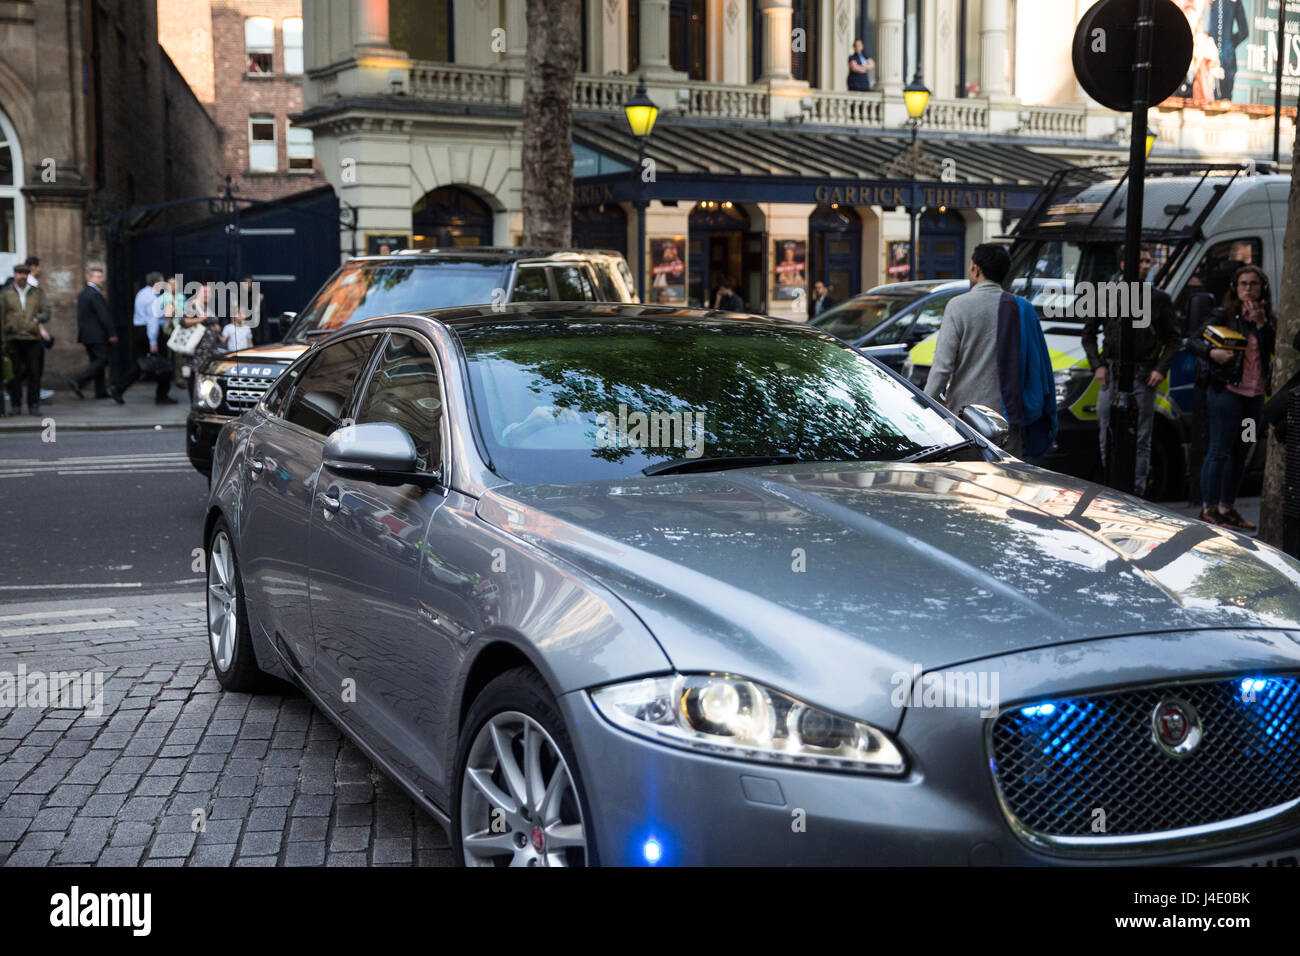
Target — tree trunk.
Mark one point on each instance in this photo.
(1288, 323)
(554, 37)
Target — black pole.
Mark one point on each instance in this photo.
(961, 52)
(911, 209)
(1122, 438)
(1277, 93)
(640, 220)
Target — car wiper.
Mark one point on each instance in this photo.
(722, 463)
(938, 451)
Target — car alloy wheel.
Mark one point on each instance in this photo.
(223, 601)
(519, 806)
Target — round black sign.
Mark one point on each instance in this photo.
(1105, 44)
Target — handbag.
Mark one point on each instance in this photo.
(154, 368)
(185, 339)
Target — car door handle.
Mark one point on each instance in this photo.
(256, 465)
(329, 505)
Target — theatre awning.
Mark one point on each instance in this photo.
(771, 164)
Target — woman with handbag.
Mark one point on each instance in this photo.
(1234, 351)
(205, 342)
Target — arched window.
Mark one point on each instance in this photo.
(13, 237)
(449, 217)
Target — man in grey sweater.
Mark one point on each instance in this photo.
(966, 354)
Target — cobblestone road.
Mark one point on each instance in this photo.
(271, 779)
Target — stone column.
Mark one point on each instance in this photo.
(372, 23)
(778, 16)
(993, 49)
(654, 37)
(889, 46)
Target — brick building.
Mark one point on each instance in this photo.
(94, 120)
(243, 60)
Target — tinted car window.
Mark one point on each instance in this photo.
(319, 402)
(606, 288)
(364, 290)
(557, 401)
(853, 319)
(530, 285)
(572, 284)
(930, 318)
(404, 392)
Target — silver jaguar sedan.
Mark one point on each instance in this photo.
(638, 585)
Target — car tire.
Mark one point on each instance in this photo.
(230, 641)
(508, 715)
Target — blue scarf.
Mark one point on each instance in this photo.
(1025, 374)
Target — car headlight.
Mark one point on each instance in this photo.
(1071, 383)
(734, 717)
(208, 394)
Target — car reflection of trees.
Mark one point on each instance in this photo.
(761, 388)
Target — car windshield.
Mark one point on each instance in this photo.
(853, 319)
(574, 400)
(363, 290)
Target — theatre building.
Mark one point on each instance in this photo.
(763, 167)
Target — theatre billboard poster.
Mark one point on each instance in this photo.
(791, 268)
(668, 270)
(1234, 55)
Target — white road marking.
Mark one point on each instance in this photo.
(67, 628)
(114, 584)
(77, 612)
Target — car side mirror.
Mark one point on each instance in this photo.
(377, 451)
(1199, 307)
(987, 423)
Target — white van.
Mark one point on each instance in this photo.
(1203, 221)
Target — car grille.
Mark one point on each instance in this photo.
(243, 393)
(1056, 763)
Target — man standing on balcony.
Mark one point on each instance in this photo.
(860, 65)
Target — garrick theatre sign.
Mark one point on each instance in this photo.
(899, 195)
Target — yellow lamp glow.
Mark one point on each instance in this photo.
(641, 112)
(917, 97)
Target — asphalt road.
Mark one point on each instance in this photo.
(97, 513)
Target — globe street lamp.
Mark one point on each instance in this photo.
(916, 97)
(641, 114)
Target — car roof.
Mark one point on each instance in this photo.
(918, 285)
(490, 254)
(469, 317)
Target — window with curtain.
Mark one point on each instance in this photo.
(259, 46)
(261, 144)
(292, 28)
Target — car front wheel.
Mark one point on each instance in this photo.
(519, 800)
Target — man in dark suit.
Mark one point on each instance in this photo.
(95, 332)
(821, 298)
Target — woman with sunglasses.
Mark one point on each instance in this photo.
(1238, 382)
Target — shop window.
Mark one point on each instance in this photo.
(302, 150)
(259, 46)
(292, 28)
(261, 144)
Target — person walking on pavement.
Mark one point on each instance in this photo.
(24, 311)
(1238, 382)
(1155, 347)
(146, 326)
(991, 351)
(96, 334)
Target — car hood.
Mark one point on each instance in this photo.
(277, 354)
(793, 573)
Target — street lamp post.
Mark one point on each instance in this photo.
(641, 114)
(916, 97)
